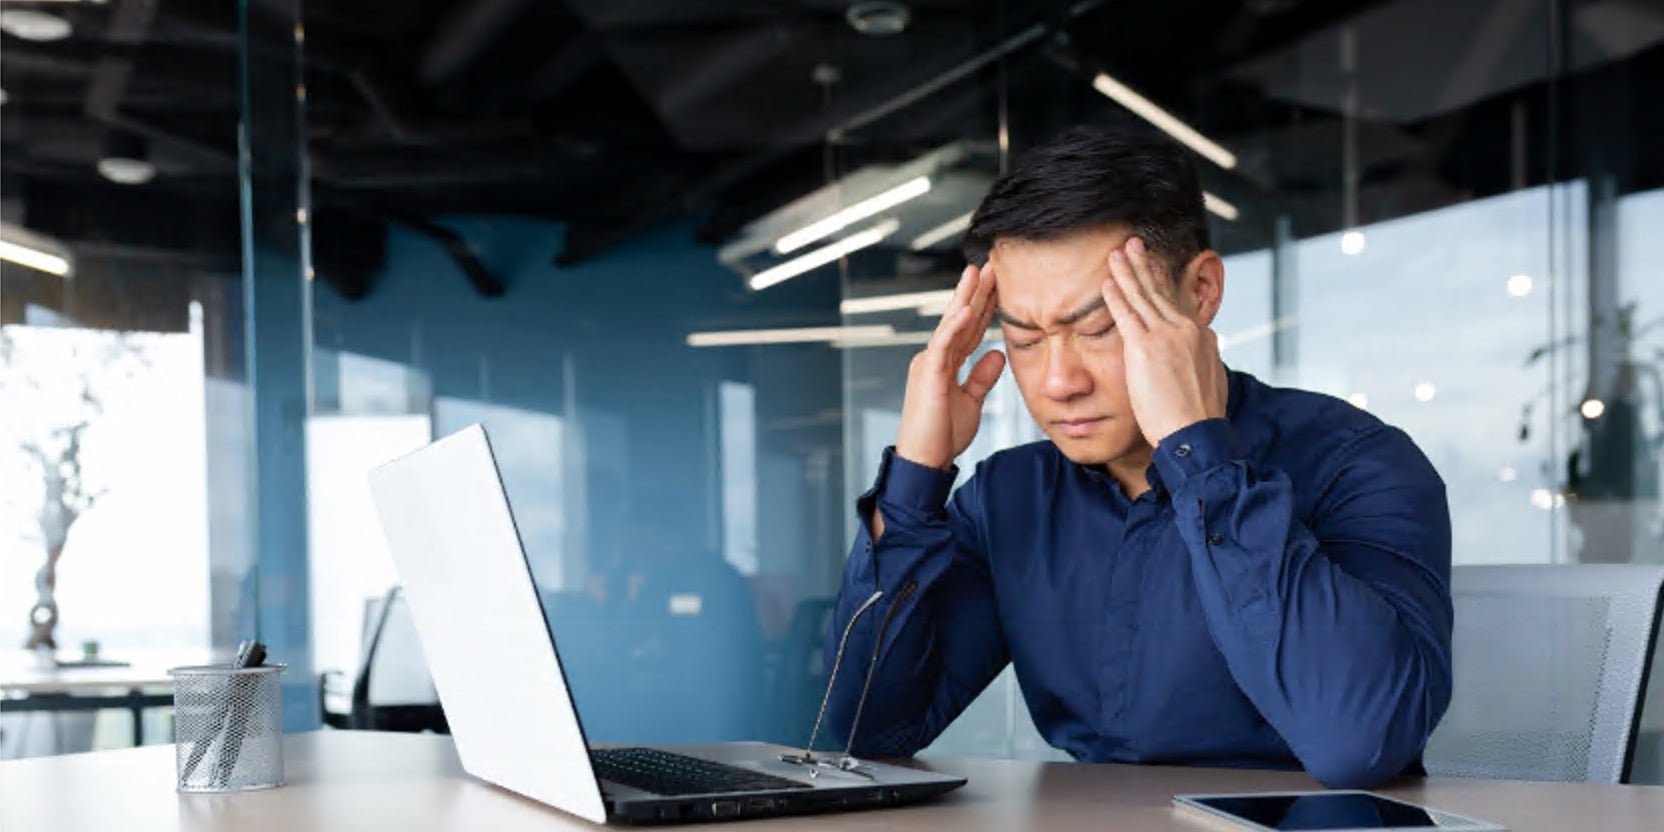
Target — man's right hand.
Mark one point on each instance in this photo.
(939, 416)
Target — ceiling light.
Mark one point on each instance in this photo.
(1352, 243)
(34, 258)
(890, 303)
(1255, 332)
(935, 309)
(1223, 209)
(911, 189)
(1545, 499)
(1592, 408)
(1166, 122)
(878, 18)
(894, 339)
(801, 335)
(1507, 475)
(26, 248)
(1425, 391)
(1519, 285)
(957, 225)
(821, 256)
(126, 171)
(126, 160)
(30, 24)
(904, 339)
(1359, 401)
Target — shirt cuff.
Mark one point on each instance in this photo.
(909, 485)
(1194, 450)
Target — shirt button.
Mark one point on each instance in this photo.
(1216, 539)
(1182, 450)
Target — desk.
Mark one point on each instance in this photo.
(346, 780)
(142, 683)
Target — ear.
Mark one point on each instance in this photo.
(1204, 286)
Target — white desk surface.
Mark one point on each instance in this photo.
(344, 780)
(21, 673)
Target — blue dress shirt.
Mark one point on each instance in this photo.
(1279, 597)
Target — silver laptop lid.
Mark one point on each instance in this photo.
(482, 626)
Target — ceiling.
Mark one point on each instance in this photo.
(615, 116)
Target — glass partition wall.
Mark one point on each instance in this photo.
(1442, 227)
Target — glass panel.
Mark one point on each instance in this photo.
(124, 498)
(1451, 243)
(1432, 328)
(674, 501)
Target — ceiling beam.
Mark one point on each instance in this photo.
(462, 35)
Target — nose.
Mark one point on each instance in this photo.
(1066, 375)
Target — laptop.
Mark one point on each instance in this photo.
(486, 636)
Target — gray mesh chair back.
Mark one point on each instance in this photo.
(1550, 666)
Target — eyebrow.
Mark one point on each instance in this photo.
(1086, 310)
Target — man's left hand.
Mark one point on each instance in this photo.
(1174, 376)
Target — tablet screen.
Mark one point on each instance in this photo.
(1328, 810)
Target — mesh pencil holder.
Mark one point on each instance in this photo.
(228, 726)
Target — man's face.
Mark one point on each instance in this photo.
(1063, 346)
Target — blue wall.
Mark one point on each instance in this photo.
(602, 346)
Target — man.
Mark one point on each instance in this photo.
(1196, 567)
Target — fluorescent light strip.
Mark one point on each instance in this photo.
(894, 339)
(903, 339)
(34, 258)
(821, 256)
(1254, 333)
(1220, 207)
(941, 232)
(1167, 122)
(890, 303)
(802, 335)
(911, 189)
(934, 310)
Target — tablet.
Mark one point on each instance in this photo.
(1327, 811)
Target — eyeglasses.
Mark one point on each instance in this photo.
(846, 762)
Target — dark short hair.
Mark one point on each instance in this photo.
(1093, 176)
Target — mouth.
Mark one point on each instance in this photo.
(1076, 428)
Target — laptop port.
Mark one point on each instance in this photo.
(725, 808)
(760, 804)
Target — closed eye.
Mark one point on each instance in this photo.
(1099, 333)
(1020, 345)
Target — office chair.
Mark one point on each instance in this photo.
(394, 690)
(1551, 666)
(797, 671)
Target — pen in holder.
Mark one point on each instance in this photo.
(228, 723)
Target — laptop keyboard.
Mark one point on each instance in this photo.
(662, 772)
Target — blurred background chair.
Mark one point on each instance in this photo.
(393, 690)
(1551, 665)
(796, 672)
